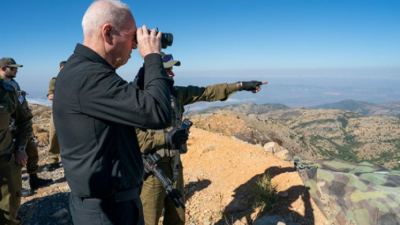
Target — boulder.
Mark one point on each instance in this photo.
(61, 213)
(272, 147)
(282, 154)
(269, 220)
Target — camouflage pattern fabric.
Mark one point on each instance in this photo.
(352, 193)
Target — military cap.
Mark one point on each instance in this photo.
(9, 62)
(168, 60)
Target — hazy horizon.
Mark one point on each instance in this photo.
(291, 91)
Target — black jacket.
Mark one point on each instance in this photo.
(95, 112)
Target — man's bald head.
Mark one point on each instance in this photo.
(109, 29)
(102, 12)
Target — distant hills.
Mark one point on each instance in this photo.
(364, 108)
(349, 130)
(249, 108)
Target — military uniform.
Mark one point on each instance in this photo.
(32, 166)
(31, 150)
(13, 104)
(153, 194)
(54, 151)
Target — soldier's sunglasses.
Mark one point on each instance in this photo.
(167, 58)
(12, 68)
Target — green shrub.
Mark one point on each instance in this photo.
(264, 193)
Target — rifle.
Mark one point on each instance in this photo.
(150, 165)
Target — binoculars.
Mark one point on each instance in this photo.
(166, 39)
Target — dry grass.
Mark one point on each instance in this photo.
(264, 193)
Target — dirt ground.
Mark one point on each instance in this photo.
(219, 172)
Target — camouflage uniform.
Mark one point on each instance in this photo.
(153, 195)
(13, 104)
(352, 193)
(54, 151)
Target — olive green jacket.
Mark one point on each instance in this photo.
(52, 84)
(14, 104)
(154, 139)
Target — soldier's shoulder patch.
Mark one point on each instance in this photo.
(8, 86)
(21, 98)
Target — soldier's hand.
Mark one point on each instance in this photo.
(177, 137)
(253, 86)
(21, 158)
(148, 43)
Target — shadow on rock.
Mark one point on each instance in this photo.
(59, 180)
(241, 205)
(52, 209)
(41, 168)
(192, 187)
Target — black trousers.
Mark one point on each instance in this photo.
(105, 211)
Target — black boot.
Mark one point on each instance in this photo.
(51, 167)
(36, 182)
(26, 192)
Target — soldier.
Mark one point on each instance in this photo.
(31, 150)
(12, 154)
(153, 195)
(54, 150)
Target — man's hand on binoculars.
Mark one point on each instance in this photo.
(148, 43)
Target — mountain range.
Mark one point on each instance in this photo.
(349, 130)
(364, 108)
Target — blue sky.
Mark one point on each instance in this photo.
(235, 39)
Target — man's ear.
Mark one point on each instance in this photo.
(107, 32)
(3, 68)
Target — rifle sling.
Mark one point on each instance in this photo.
(178, 121)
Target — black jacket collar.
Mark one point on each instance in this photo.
(92, 55)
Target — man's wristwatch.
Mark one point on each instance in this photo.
(239, 85)
(21, 148)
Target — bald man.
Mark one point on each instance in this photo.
(96, 112)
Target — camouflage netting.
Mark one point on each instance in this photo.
(352, 193)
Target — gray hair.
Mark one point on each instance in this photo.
(101, 12)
